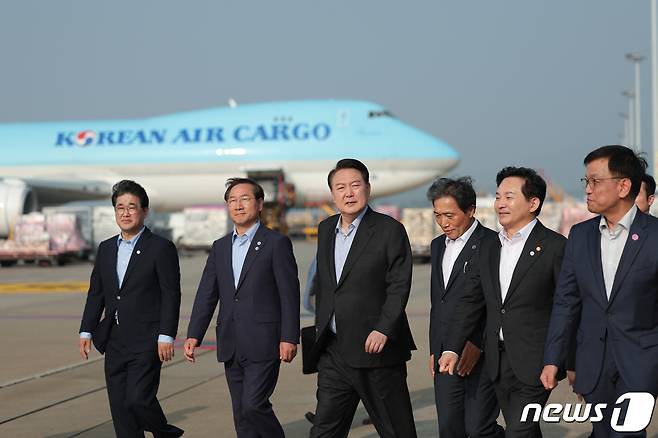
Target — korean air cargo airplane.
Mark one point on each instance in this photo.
(185, 158)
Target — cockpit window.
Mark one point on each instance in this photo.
(382, 113)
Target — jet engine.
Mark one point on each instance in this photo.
(16, 198)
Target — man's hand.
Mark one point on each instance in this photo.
(287, 351)
(85, 348)
(188, 348)
(375, 342)
(448, 362)
(571, 377)
(165, 351)
(548, 377)
(469, 358)
(432, 364)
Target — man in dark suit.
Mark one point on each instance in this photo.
(608, 291)
(513, 282)
(465, 402)
(253, 274)
(363, 337)
(647, 194)
(136, 280)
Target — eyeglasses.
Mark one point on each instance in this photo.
(244, 200)
(131, 209)
(593, 182)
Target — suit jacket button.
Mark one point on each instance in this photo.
(236, 300)
(601, 339)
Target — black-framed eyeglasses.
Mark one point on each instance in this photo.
(593, 182)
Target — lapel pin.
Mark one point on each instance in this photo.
(139, 252)
(532, 253)
(258, 243)
(257, 248)
(635, 237)
(538, 248)
(474, 246)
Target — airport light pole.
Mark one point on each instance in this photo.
(624, 137)
(631, 117)
(636, 58)
(654, 83)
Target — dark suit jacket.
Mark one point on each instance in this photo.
(372, 292)
(148, 302)
(525, 314)
(627, 323)
(264, 309)
(444, 299)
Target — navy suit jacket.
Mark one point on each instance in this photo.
(627, 322)
(148, 302)
(444, 299)
(262, 311)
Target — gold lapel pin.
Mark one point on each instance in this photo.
(538, 248)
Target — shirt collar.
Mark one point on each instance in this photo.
(522, 234)
(464, 237)
(355, 223)
(250, 233)
(131, 241)
(625, 221)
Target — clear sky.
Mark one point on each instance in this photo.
(508, 82)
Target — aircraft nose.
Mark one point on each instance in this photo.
(438, 152)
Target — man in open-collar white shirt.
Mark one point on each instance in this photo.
(453, 249)
(513, 284)
(465, 402)
(510, 251)
(607, 295)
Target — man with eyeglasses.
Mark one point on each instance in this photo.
(252, 273)
(136, 281)
(608, 291)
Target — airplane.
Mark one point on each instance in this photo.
(184, 159)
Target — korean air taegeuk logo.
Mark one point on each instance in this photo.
(85, 138)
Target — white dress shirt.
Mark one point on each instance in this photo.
(510, 253)
(612, 246)
(452, 251)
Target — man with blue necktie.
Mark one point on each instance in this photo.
(253, 274)
(136, 281)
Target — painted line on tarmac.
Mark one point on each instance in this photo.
(207, 344)
(49, 372)
(100, 388)
(44, 287)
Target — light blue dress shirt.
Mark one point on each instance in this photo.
(240, 248)
(124, 252)
(342, 249)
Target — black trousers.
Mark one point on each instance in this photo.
(467, 406)
(513, 395)
(251, 385)
(132, 386)
(610, 386)
(383, 391)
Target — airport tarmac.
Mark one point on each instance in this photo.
(47, 390)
